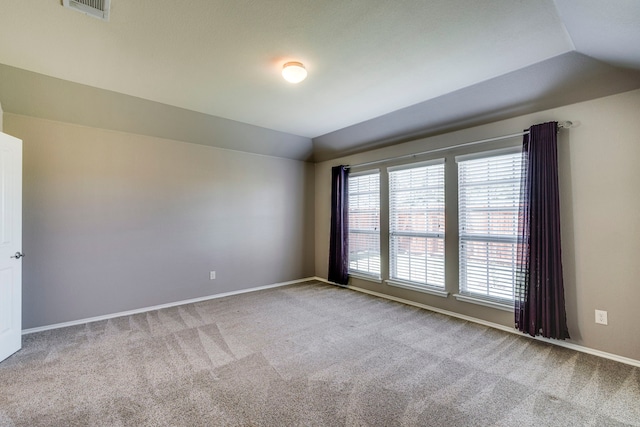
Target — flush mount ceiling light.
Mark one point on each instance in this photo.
(294, 72)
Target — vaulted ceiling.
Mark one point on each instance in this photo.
(379, 71)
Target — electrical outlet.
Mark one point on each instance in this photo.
(212, 275)
(601, 317)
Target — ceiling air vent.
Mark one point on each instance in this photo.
(96, 8)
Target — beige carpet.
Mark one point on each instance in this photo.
(307, 355)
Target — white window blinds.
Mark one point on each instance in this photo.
(416, 223)
(488, 201)
(364, 223)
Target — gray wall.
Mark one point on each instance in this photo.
(600, 203)
(115, 221)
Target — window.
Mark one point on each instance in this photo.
(364, 224)
(416, 223)
(488, 202)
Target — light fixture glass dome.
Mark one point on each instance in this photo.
(294, 72)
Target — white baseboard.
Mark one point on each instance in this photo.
(158, 307)
(569, 345)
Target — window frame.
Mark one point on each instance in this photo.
(514, 239)
(429, 285)
(364, 274)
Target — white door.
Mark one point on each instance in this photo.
(10, 245)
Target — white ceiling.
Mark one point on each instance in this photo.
(366, 58)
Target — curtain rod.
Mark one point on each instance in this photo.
(562, 125)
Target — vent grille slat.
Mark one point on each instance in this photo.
(96, 4)
(96, 8)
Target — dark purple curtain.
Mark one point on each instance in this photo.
(339, 240)
(539, 305)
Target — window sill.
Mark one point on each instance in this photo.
(485, 302)
(425, 289)
(365, 277)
